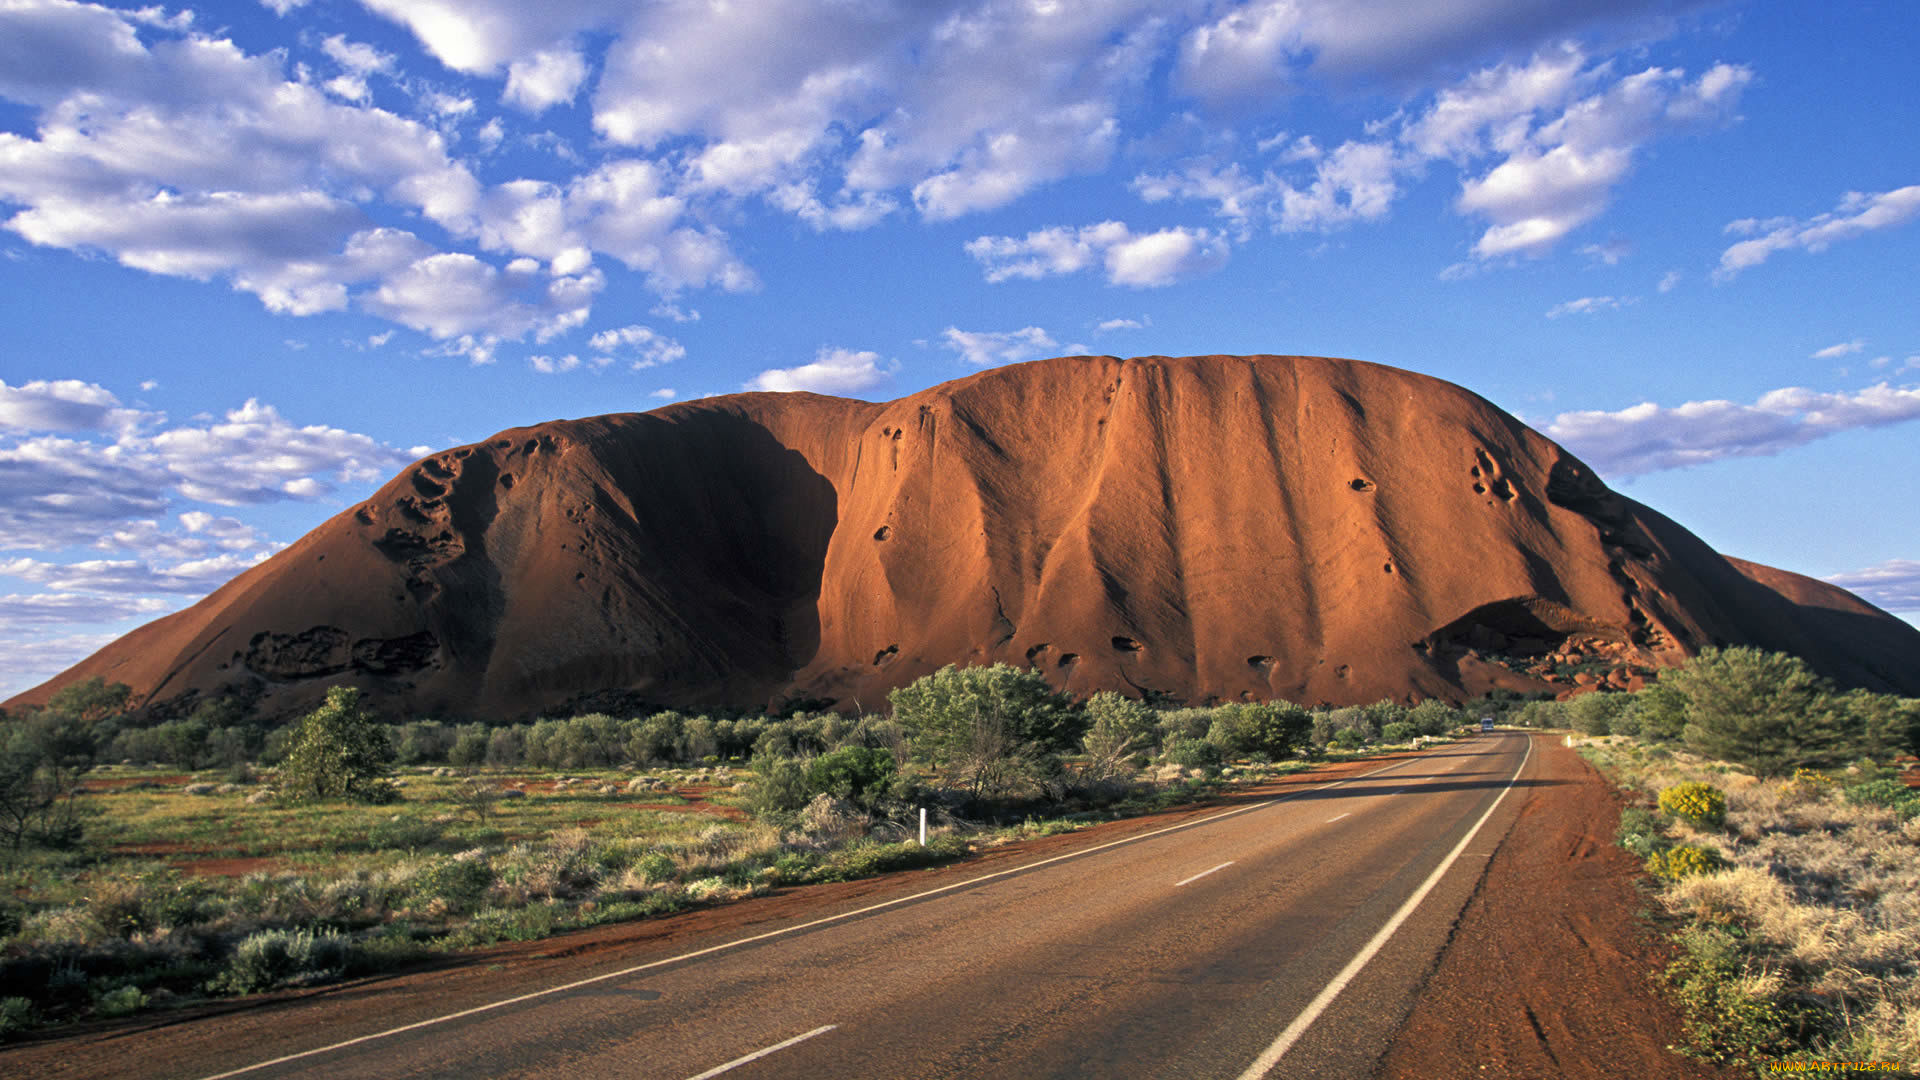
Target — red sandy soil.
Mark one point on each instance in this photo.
(1212, 527)
(1548, 970)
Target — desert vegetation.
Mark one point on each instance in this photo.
(1783, 848)
(155, 864)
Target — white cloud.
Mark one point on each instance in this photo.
(665, 393)
(451, 295)
(1140, 260)
(548, 365)
(1834, 352)
(1609, 253)
(1255, 50)
(1669, 280)
(1893, 585)
(833, 371)
(642, 345)
(33, 660)
(1563, 132)
(546, 78)
(1587, 305)
(1858, 213)
(1648, 438)
(62, 405)
(675, 312)
(1561, 175)
(195, 577)
(988, 348)
(357, 57)
(1111, 325)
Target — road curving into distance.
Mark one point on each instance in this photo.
(1283, 937)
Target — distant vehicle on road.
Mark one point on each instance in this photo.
(1486, 723)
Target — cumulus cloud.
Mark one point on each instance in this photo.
(833, 371)
(1562, 133)
(59, 491)
(643, 346)
(1859, 213)
(1110, 325)
(1256, 49)
(988, 348)
(1140, 260)
(1648, 438)
(194, 577)
(546, 78)
(62, 405)
(1893, 585)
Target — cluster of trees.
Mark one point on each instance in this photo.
(1767, 711)
(43, 754)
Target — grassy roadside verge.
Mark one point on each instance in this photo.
(1795, 904)
(194, 889)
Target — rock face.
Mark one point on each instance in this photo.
(1208, 527)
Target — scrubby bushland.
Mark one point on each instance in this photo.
(1799, 900)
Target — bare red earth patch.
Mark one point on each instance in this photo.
(1548, 972)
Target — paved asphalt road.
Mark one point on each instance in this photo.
(1203, 950)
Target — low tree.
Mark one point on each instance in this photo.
(44, 753)
(1768, 711)
(991, 729)
(338, 752)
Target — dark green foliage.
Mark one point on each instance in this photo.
(43, 755)
(1399, 731)
(338, 752)
(1889, 793)
(469, 746)
(1642, 831)
(1434, 717)
(861, 775)
(1195, 753)
(1660, 711)
(1594, 713)
(459, 883)
(1768, 711)
(1725, 1022)
(1276, 729)
(993, 730)
(779, 787)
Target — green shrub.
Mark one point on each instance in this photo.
(457, 882)
(862, 775)
(865, 859)
(338, 752)
(1399, 731)
(1347, 739)
(779, 787)
(273, 958)
(16, 1014)
(1725, 1021)
(120, 1002)
(1701, 804)
(1642, 832)
(993, 730)
(1434, 717)
(1682, 861)
(402, 833)
(658, 867)
(1189, 753)
(1888, 793)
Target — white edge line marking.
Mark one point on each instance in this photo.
(575, 985)
(1337, 817)
(758, 1054)
(1272, 1055)
(1203, 873)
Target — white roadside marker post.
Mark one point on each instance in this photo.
(923, 826)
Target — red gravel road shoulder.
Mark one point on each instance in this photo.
(1547, 972)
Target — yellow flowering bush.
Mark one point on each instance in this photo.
(1704, 805)
(1683, 861)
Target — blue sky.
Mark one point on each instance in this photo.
(256, 256)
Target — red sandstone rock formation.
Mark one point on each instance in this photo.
(1211, 527)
